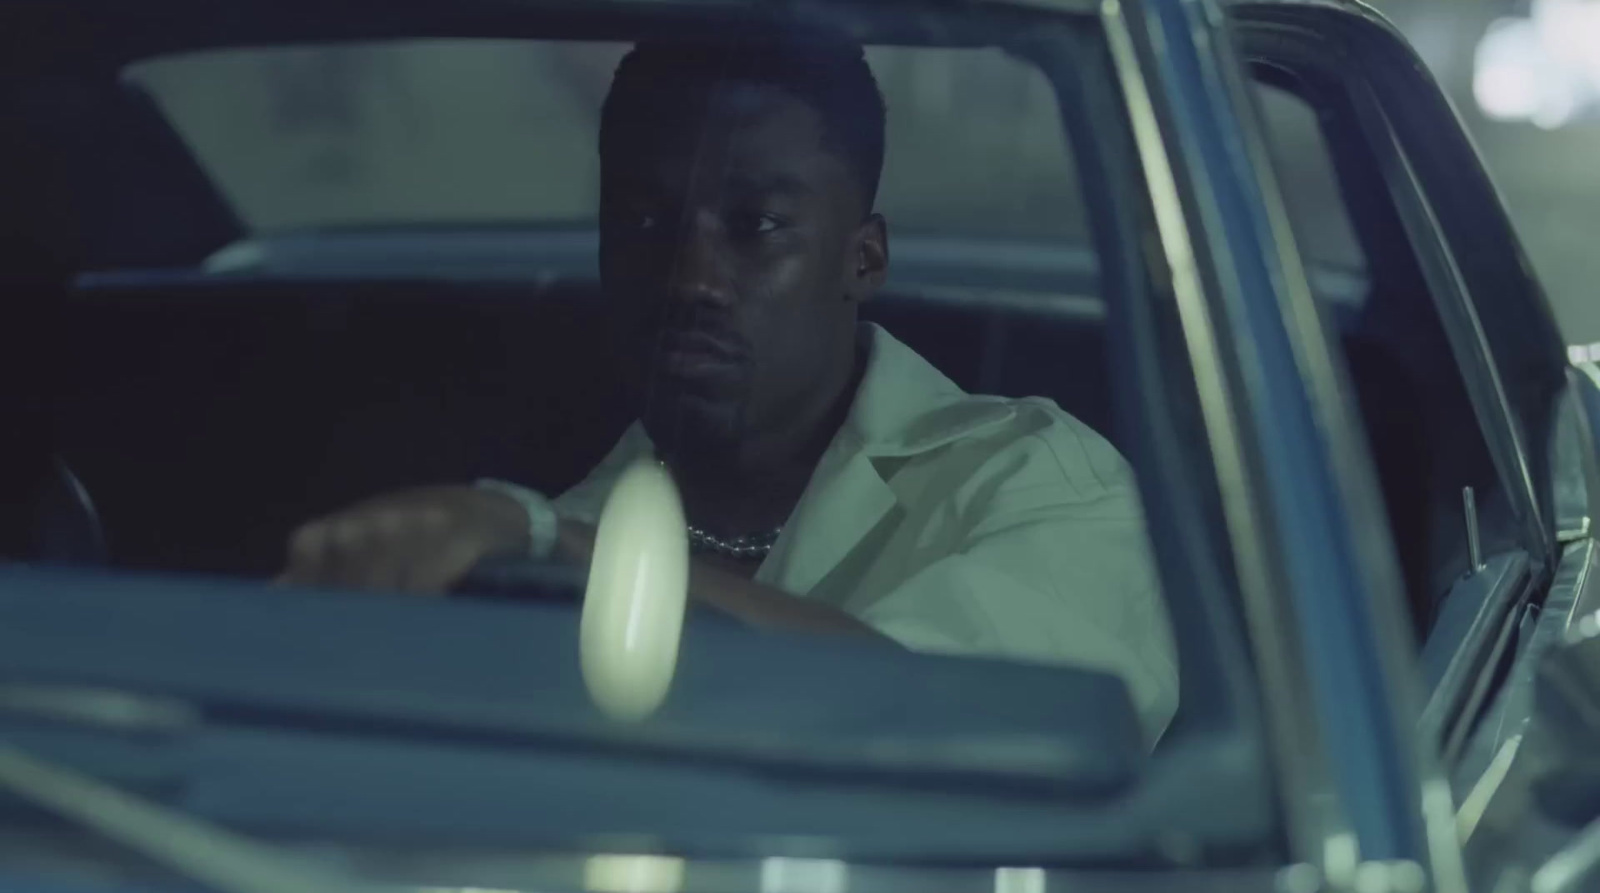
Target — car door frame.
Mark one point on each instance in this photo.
(1316, 576)
(1506, 366)
(1415, 129)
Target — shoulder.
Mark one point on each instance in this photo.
(1007, 444)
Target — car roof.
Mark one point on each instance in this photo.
(77, 35)
(74, 34)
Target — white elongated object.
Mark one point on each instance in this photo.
(638, 589)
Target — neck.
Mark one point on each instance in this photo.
(755, 484)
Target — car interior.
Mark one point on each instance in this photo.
(205, 416)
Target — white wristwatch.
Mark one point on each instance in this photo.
(543, 523)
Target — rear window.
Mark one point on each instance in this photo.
(473, 131)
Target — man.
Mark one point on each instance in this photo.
(834, 481)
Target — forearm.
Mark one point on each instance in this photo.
(755, 603)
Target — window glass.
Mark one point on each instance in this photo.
(1317, 210)
(401, 347)
(1426, 441)
(495, 131)
(382, 165)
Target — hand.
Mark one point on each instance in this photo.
(422, 540)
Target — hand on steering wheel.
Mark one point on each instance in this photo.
(422, 540)
(431, 539)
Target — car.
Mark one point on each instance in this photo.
(1256, 250)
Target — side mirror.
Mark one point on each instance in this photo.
(1542, 817)
(1584, 379)
(1564, 732)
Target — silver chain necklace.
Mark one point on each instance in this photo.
(744, 548)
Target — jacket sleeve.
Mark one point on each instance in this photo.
(1049, 572)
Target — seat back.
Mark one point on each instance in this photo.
(209, 418)
(1013, 349)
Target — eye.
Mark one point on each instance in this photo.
(755, 224)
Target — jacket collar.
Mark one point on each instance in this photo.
(903, 407)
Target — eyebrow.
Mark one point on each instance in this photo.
(736, 183)
(769, 183)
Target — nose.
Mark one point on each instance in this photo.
(700, 271)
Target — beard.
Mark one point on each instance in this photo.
(695, 425)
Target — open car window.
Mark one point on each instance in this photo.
(400, 288)
(1416, 378)
(1427, 442)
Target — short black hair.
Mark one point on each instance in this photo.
(831, 76)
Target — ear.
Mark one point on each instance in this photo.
(869, 259)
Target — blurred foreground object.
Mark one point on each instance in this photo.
(634, 605)
(1544, 68)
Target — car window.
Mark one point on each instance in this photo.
(1426, 441)
(1317, 211)
(417, 264)
(401, 300)
(497, 131)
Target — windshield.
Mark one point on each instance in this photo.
(635, 421)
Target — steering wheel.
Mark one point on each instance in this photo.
(518, 578)
(635, 592)
(523, 579)
(66, 526)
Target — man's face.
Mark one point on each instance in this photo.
(738, 246)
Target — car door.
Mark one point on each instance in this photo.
(1449, 290)
(1318, 580)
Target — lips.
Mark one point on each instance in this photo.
(699, 342)
(699, 354)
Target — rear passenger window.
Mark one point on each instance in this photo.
(1425, 439)
(1317, 210)
(469, 131)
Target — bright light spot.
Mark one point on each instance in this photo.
(1506, 82)
(1019, 880)
(1570, 31)
(1507, 91)
(1299, 878)
(1544, 69)
(1556, 112)
(1586, 628)
(1407, 877)
(1341, 853)
(633, 874)
(780, 875)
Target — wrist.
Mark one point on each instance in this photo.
(534, 528)
(575, 540)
